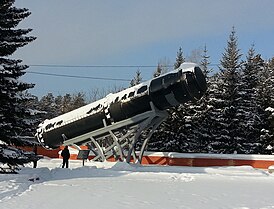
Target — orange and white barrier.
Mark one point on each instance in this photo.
(181, 159)
(199, 160)
(205, 160)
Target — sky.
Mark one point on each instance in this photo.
(87, 38)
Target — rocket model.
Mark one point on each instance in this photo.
(186, 83)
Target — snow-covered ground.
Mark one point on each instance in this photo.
(119, 185)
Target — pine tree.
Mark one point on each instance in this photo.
(58, 104)
(179, 59)
(249, 112)
(78, 100)
(200, 133)
(178, 133)
(55, 106)
(266, 100)
(224, 100)
(166, 138)
(48, 105)
(137, 79)
(266, 84)
(194, 132)
(33, 117)
(12, 112)
(205, 63)
(66, 103)
(159, 71)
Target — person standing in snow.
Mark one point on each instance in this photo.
(66, 155)
(35, 153)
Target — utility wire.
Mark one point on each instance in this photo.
(81, 77)
(101, 66)
(93, 66)
(86, 66)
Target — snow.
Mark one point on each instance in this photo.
(120, 185)
(270, 109)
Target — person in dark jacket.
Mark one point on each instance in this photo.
(66, 155)
(35, 153)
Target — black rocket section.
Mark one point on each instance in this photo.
(166, 91)
(177, 88)
(123, 110)
(55, 138)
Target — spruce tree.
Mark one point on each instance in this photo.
(165, 137)
(266, 84)
(12, 110)
(78, 100)
(224, 100)
(137, 79)
(201, 134)
(194, 133)
(66, 103)
(179, 59)
(205, 63)
(48, 105)
(158, 71)
(249, 112)
(172, 134)
(58, 104)
(266, 100)
(33, 117)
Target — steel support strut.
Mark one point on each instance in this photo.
(118, 140)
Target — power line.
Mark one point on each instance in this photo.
(86, 66)
(93, 66)
(100, 66)
(81, 77)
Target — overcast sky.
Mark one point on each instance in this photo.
(127, 32)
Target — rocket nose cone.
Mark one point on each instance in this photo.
(200, 78)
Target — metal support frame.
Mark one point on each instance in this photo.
(118, 140)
